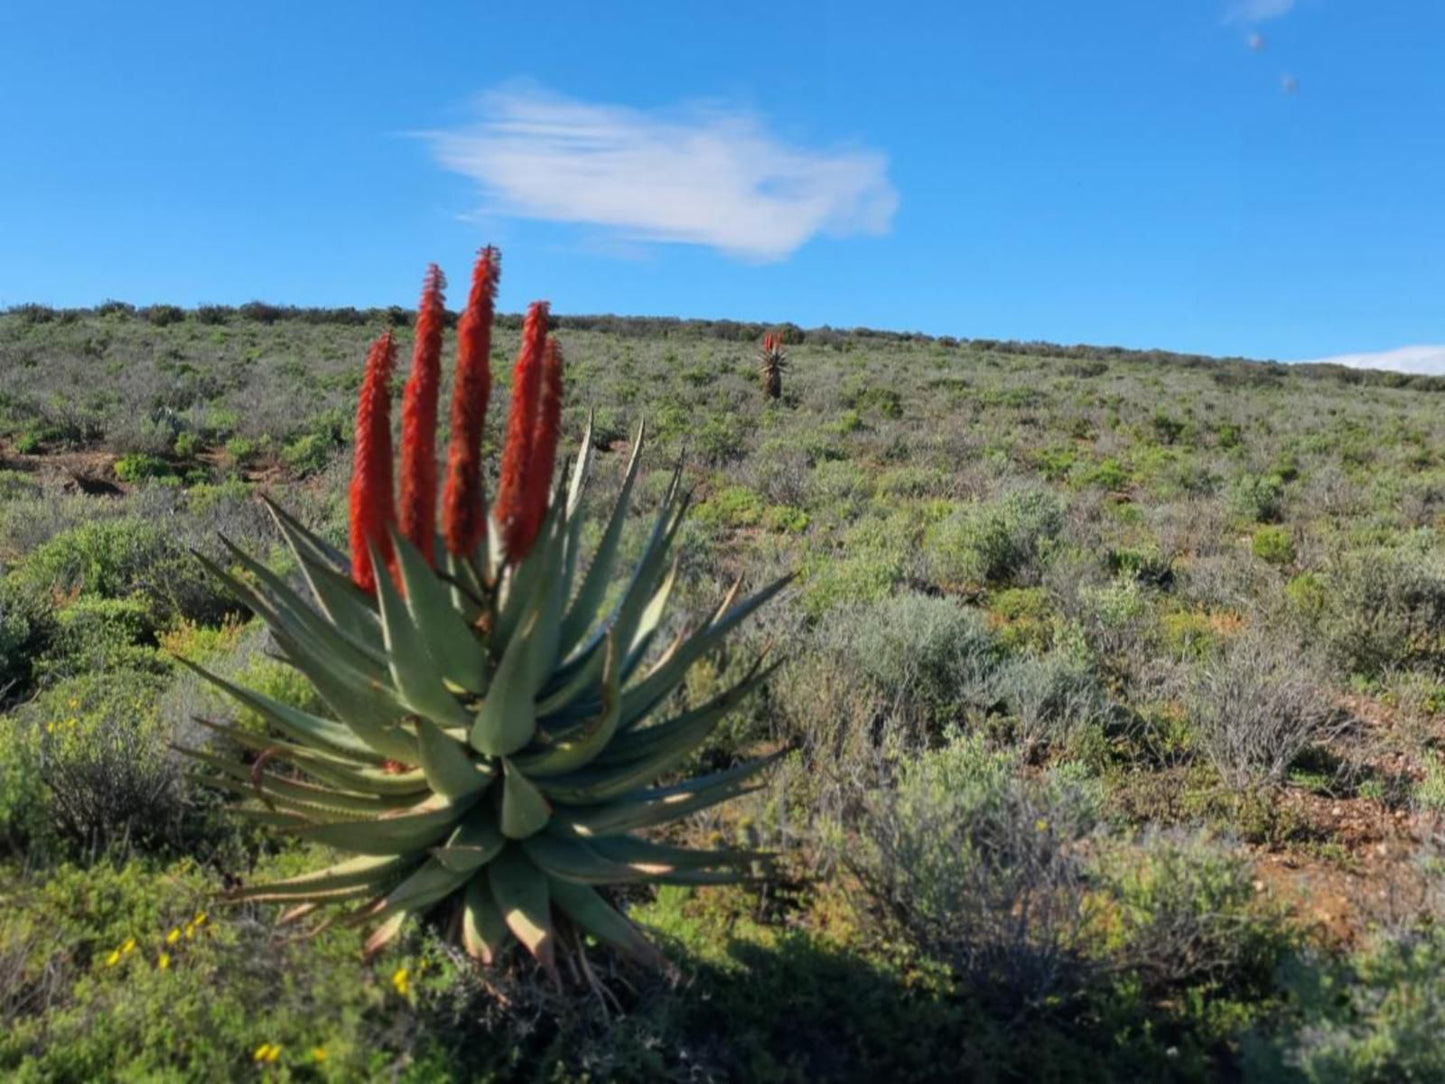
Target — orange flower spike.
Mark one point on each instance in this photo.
(513, 486)
(372, 510)
(419, 419)
(464, 512)
(544, 448)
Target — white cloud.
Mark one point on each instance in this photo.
(1257, 11)
(1407, 359)
(703, 176)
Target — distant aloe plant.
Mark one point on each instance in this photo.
(491, 752)
(772, 363)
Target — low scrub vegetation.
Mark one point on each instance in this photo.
(1106, 712)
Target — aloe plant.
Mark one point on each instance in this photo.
(496, 731)
(772, 363)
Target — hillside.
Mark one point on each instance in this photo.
(1114, 686)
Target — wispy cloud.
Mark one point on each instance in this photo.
(1258, 11)
(700, 175)
(1407, 359)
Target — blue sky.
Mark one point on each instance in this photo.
(1256, 177)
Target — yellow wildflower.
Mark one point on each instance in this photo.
(199, 920)
(113, 958)
(267, 1052)
(318, 1053)
(400, 980)
(163, 961)
(129, 946)
(174, 935)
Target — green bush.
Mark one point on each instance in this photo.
(97, 745)
(308, 454)
(138, 466)
(997, 542)
(978, 867)
(1181, 912)
(731, 506)
(1274, 545)
(100, 634)
(1378, 610)
(931, 656)
(148, 985)
(1257, 498)
(1053, 698)
(1375, 1018)
(118, 558)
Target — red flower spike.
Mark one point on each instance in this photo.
(464, 512)
(419, 419)
(372, 510)
(543, 461)
(512, 488)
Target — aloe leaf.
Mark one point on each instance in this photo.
(599, 573)
(573, 860)
(415, 673)
(594, 915)
(304, 727)
(329, 644)
(475, 843)
(508, 716)
(642, 697)
(421, 826)
(652, 859)
(449, 767)
(581, 747)
(328, 575)
(573, 509)
(339, 773)
(648, 808)
(365, 871)
(525, 810)
(521, 892)
(268, 784)
(385, 934)
(448, 639)
(368, 708)
(432, 882)
(318, 547)
(484, 929)
(688, 730)
(366, 660)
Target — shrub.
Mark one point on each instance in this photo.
(109, 558)
(1274, 545)
(1258, 498)
(1054, 698)
(99, 635)
(1256, 708)
(139, 466)
(1181, 913)
(117, 558)
(163, 315)
(785, 519)
(108, 775)
(25, 627)
(1375, 1018)
(979, 868)
(1380, 610)
(927, 657)
(831, 582)
(732, 506)
(995, 542)
(308, 454)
